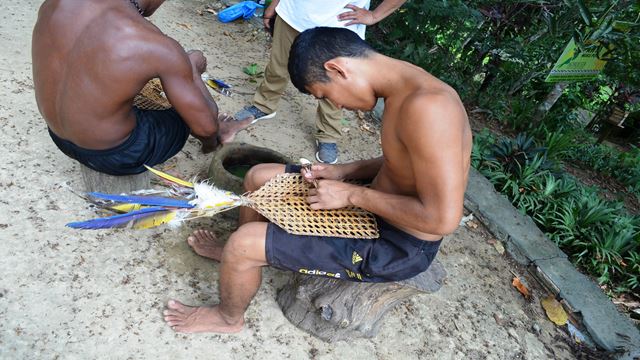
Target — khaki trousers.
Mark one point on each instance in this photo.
(276, 79)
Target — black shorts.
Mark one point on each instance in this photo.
(394, 256)
(158, 135)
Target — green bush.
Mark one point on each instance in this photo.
(598, 235)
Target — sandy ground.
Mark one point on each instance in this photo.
(67, 294)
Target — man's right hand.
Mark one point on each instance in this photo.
(198, 60)
(323, 171)
(269, 13)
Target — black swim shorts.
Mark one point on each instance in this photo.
(394, 256)
(158, 135)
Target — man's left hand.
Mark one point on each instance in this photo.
(330, 194)
(357, 15)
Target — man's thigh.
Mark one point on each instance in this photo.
(260, 174)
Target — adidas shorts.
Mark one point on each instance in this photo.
(394, 256)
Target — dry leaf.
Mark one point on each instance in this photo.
(187, 26)
(520, 286)
(499, 247)
(212, 11)
(554, 310)
(472, 224)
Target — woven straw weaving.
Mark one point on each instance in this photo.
(151, 98)
(283, 200)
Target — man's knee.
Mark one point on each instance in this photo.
(247, 245)
(260, 174)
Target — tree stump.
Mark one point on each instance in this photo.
(97, 181)
(339, 310)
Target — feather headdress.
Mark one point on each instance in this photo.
(282, 200)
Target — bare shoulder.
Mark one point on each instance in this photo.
(432, 112)
(140, 41)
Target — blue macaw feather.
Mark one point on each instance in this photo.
(221, 83)
(116, 220)
(144, 200)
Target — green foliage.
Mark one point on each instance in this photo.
(623, 166)
(253, 70)
(597, 234)
(496, 54)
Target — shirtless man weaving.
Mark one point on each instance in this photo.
(91, 58)
(417, 190)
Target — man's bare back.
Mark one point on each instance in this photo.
(90, 59)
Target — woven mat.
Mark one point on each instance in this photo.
(283, 200)
(151, 98)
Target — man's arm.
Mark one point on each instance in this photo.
(359, 15)
(432, 132)
(185, 90)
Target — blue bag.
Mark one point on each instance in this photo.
(244, 9)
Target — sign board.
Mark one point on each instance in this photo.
(576, 65)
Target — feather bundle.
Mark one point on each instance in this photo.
(282, 200)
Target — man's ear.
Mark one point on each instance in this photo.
(335, 67)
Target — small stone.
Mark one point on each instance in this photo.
(512, 332)
(536, 328)
(498, 318)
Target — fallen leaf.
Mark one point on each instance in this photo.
(187, 26)
(554, 310)
(499, 320)
(499, 247)
(199, 12)
(472, 224)
(212, 11)
(520, 286)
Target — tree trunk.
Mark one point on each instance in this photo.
(96, 181)
(548, 103)
(338, 310)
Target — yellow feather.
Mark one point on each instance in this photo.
(125, 208)
(169, 177)
(155, 220)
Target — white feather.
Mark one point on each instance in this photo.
(210, 197)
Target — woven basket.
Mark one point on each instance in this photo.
(151, 97)
(283, 200)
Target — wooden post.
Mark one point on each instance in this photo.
(96, 181)
(339, 310)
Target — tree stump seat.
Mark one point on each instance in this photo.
(98, 182)
(336, 310)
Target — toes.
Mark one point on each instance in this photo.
(172, 320)
(180, 329)
(191, 240)
(204, 236)
(177, 306)
(171, 312)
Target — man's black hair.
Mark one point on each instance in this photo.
(314, 47)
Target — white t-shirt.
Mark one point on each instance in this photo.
(306, 14)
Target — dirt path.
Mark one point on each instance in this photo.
(80, 294)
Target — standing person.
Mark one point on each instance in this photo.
(291, 18)
(91, 58)
(417, 191)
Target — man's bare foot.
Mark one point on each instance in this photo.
(228, 127)
(198, 319)
(206, 244)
